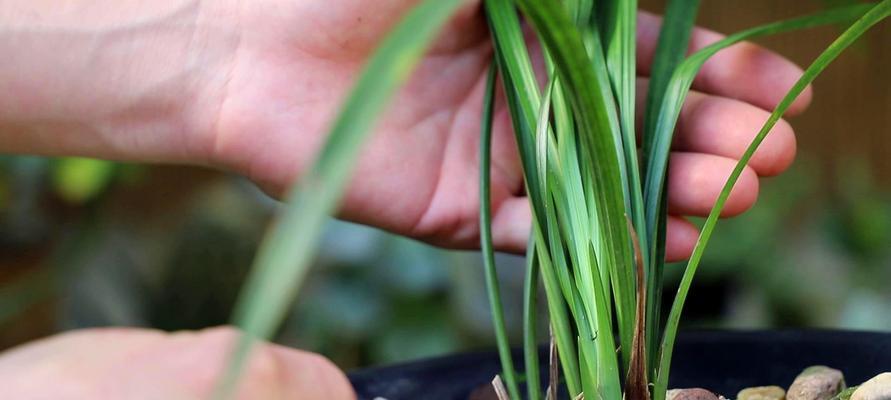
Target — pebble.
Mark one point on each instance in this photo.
(762, 393)
(877, 388)
(816, 383)
(690, 394)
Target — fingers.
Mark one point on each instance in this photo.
(744, 71)
(726, 127)
(695, 180)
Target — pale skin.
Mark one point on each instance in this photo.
(250, 87)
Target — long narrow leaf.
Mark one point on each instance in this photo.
(619, 24)
(872, 17)
(530, 317)
(674, 38)
(671, 102)
(615, 275)
(682, 80)
(523, 121)
(523, 98)
(285, 255)
(621, 54)
(563, 332)
(521, 89)
(571, 59)
(493, 290)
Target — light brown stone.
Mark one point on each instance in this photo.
(690, 394)
(816, 383)
(762, 393)
(877, 388)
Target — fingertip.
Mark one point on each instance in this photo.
(743, 195)
(802, 102)
(309, 375)
(777, 152)
(786, 75)
(779, 76)
(695, 180)
(512, 225)
(680, 240)
(271, 371)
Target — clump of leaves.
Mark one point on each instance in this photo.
(599, 212)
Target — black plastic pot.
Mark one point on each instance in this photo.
(722, 361)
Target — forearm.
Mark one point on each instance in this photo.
(131, 80)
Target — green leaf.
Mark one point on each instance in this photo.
(873, 16)
(492, 287)
(286, 253)
(523, 99)
(521, 90)
(530, 317)
(619, 24)
(670, 106)
(674, 38)
(563, 332)
(565, 45)
(621, 56)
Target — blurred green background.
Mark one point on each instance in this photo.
(90, 243)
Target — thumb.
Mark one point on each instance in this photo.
(273, 371)
(139, 364)
(310, 376)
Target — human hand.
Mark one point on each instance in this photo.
(265, 79)
(418, 175)
(118, 363)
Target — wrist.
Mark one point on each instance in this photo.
(121, 80)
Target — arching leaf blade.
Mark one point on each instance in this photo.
(285, 255)
(874, 15)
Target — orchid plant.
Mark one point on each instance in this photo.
(599, 209)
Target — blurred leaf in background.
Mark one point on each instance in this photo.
(78, 180)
